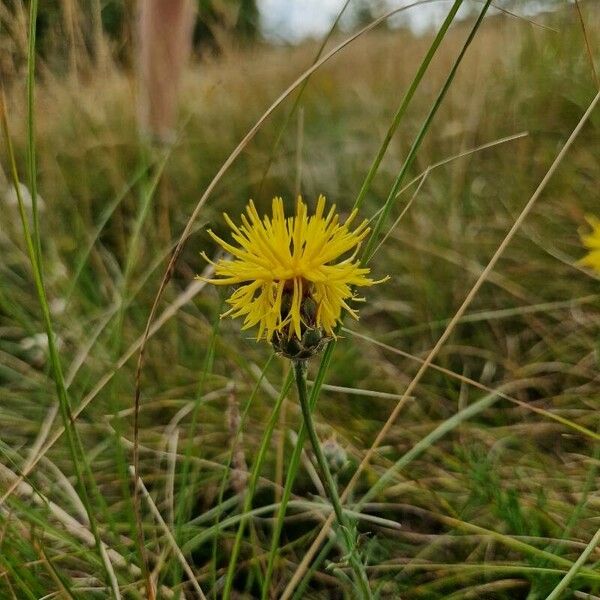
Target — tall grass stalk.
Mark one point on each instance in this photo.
(457, 316)
(412, 153)
(293, 466)
(33, 242)
(348, 530)
(31, 158)
(295, 459)
(78, 458)
(406, 99)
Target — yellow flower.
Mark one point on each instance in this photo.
(592, 242)
(295, 274)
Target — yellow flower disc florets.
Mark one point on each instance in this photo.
(291, 271)
(592, 242)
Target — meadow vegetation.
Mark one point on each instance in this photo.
(494, 491)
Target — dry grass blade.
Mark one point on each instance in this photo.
(577, 565)
(71, 524)
(487, 478)
(156, 513)
(464, 379)
(441, 341)
(186, 296)
(587, 45)
(421, 178)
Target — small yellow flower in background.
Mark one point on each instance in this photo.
(295, 274)
(592, 242)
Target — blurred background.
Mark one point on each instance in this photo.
(126, 143)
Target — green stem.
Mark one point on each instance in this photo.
(412, 154)
(31, 160)
(77, 453)
(293, 466)
(573, 571)
(256, 468)
(330, 486)
(295, 458)
(414, 84)
(312, 569)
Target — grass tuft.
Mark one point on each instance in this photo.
(463, 406)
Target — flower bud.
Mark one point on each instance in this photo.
(336, 455)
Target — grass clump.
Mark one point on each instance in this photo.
(485, 485)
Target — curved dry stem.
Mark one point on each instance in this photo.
(186, 232)
(441, 341)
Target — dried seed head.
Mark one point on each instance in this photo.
(335, 454)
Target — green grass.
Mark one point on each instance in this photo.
(484, 485)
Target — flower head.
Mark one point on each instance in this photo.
(592, 242)
(295, 275)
